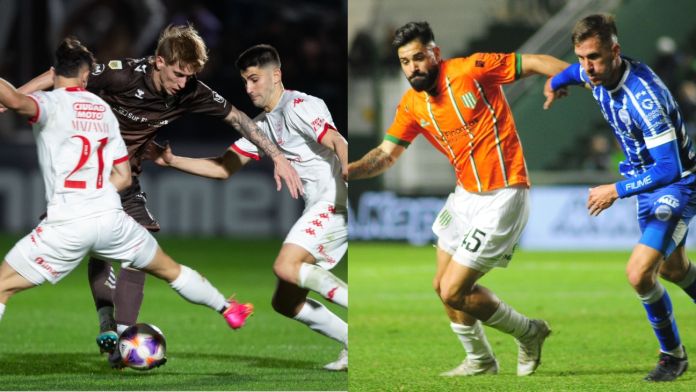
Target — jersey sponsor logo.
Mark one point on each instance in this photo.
(115, 64)
(139, 93)
(98, 69)
(663, 212)
(469, 100)
(669, 200)
(297, 101)
(42, 263)
(89, 111)
(647, 104)
(637, 184)
(318, 124)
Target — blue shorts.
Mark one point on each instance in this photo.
(664, 215)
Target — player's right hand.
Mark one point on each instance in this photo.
(552, 95)
(161, 155)
(283, 170)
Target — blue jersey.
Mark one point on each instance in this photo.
(647, 123)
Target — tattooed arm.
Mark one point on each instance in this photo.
(283, 170)
(375, 162)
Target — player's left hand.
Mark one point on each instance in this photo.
(161, 155)
(283, 170)
(601, 198)
(552, 95)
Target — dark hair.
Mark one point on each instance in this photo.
(601, 26)
(411, 31)
(71, 55)
(257, 56)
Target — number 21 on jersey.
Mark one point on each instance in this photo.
(85, 152)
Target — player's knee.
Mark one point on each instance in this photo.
(452, 296)
(640, 280)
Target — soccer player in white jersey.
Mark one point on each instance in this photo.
(302, 127)
(659, 170)
(84, 163)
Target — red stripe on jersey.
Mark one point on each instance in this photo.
(327, 126)
(74, 88)
(120, 160)
(245, 153)
(34, 119)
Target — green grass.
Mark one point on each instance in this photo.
(47, 333)
(601, 340)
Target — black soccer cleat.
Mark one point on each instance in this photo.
(115, 360)
(668, 368)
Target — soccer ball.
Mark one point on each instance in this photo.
(142, 347)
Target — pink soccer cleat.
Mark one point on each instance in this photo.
(236, 314)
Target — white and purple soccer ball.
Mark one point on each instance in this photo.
(142, 347)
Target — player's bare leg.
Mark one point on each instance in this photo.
(458, 289)
(11, 282)
(296, 265)
(642, 270)
(479, 354)
(679, 270)
(291, 301)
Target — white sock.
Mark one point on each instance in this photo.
(474, 341)
(508, 320)
(324, 283)
(320, 319)
(689, 278)
(2, 310)
(196, 289)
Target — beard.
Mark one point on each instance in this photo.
(424, 81)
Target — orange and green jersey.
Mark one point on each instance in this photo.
(469, 121)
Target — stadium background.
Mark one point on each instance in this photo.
(310, 36)
(569, 145)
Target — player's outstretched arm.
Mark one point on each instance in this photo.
(541, 64)
(220, 168)
(121, 176)
(333, 140)
(283, 170)
(375, 162)
(14, 100)
(41, 82)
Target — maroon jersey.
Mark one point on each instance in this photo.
(127, 86)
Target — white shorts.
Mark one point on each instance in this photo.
(52, 250)
(322, 231)
(481, 230)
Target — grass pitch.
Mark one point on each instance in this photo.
(47, 333)
(601, 341)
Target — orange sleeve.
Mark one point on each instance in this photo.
(404, 128)
(494, 68)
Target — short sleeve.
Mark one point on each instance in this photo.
(404, 128)
(246, 148)
(494, 68)
(44, 105)
(206, 101)
(311, 117)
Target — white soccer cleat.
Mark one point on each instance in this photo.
(472, 368)
(341, 364)
(529, 356)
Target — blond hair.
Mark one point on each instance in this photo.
(182, 45)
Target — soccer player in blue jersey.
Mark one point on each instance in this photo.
(659, 170)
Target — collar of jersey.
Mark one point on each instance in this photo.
(623, 77)
(74, 88)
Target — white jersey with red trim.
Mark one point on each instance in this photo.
(296, 125)
(78, 142)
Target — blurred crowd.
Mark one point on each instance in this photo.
(310, 36)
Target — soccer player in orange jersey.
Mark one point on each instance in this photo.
(459, 106)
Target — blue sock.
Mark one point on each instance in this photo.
(688, 284)
(659, 308)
